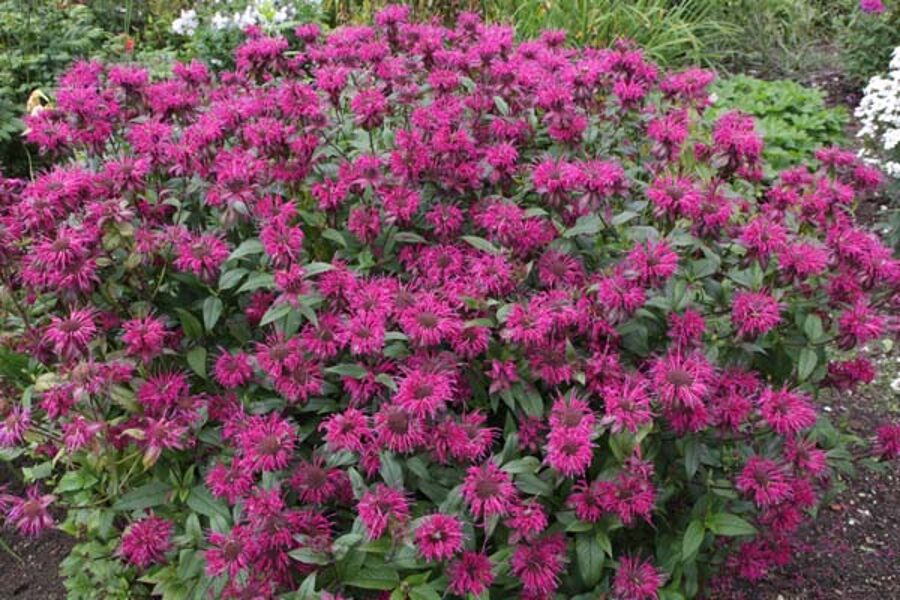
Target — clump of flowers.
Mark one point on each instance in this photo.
(426, 311)
(879, 115)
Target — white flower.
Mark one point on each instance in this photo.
(186, 23)
(879, 115)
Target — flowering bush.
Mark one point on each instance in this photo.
(879, 116)
(412, 311)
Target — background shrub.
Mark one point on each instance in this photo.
(792, 118)
(37, 41)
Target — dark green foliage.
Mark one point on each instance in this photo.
(793, 118)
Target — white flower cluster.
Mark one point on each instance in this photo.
(186, 23)
(268, 14)
(879, 113)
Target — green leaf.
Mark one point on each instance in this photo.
(212, 310)
(189, 324)
(501, 105)
(275, 312)
(314, 268)
(247, 247)
(623, 217)
(307, 589)
(481, 244)
(40, 471)
(409, 237)
(155, 493)
(196, 358)
(693, 539)
(590, 558)
(807, 363)
(692, 453)
(202, 502)
(423, 592)
(309, 556)
(527, 464)
(348, 370)
(586, 225)
(391, 471)
(729, 525)
(231, 278)
(812, 327)
(257, 281)
(374, 578)
(531, 402)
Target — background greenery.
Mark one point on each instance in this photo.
(804, 40)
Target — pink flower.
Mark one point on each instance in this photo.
(429, 321)
(859, 325)
(282, 242)
(267, 442)
(764, 481)
(872, 7)
(233, 370)
(78, 433)
(527, 520)
(424, 394)
(439, 537)
(229, 553)
(786, 412)
(29, 515)
(71, 336)
(488, 490)
(346, 430)
(570, 451)
(652, 263)
(754, 313)
(146, 542)
(144, 337)
(14, 425)
(538, 564)
(887, 442)
(682, 380)
(470, 574)
(369, 108)
(398, 430)
(381, 507)
(627, 404)
(201, 255)
(636, 579)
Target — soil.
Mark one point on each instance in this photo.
(29, 567)
(34, 575)
(852, 550)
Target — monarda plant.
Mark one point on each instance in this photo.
(407, 311)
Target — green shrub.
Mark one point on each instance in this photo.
(38, 40)
(867, 40)
(793, 118)
(779, 38)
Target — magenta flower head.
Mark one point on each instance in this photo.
(14, 425)
(887, 442)
(872, 7)
(764, 481)
(471, 573)
(488, 490)
(754, 313)
(144, 337)
(383, 507)
(636, 580)
(71, 336)
(29, 514)
(439, 537)
(146, 542)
